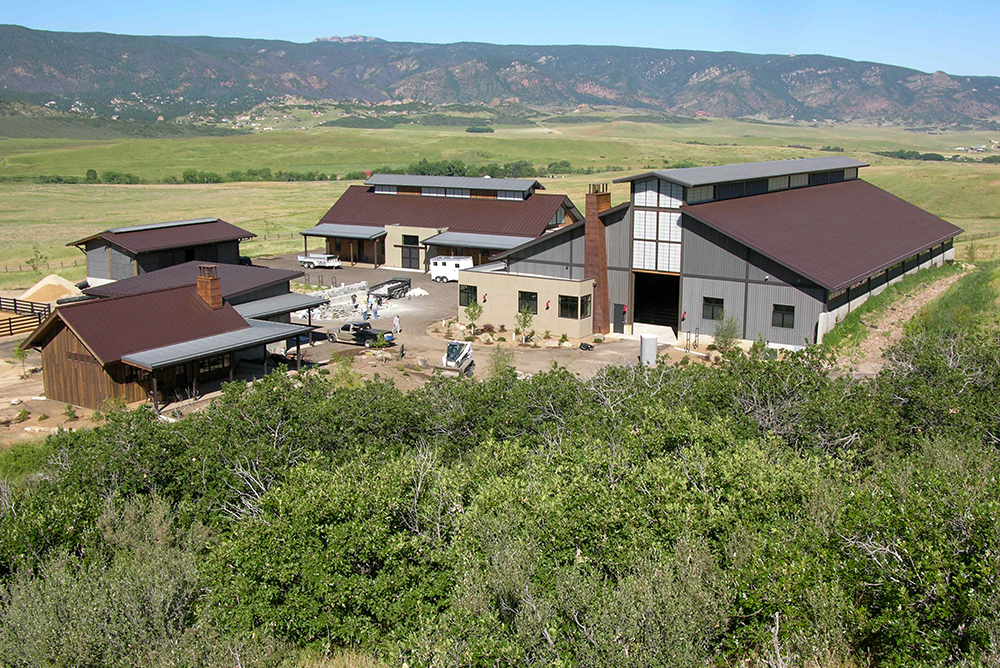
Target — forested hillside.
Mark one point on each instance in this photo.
(142, 77)
(761, 511)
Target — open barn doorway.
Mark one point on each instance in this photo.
(657, 299)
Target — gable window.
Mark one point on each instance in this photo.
(527, 300)
(783, 316)
(467, 294)
(711, 308)
(569, 307)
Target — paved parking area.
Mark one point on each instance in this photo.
(419, 313)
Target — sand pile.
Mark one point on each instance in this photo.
(49, 289)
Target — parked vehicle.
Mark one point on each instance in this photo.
(445, 268)
(319, 260)
(394, 288)
(245, 261)
(361, 333)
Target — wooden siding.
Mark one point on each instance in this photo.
(83, 383)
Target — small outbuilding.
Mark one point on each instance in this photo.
(123, 252)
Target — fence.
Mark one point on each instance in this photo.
(15, 268)
(20, 324)
(321, 280)
(975, 237)
(23, 306)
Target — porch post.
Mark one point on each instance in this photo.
(298, 354)
(232, 365)
(194, 380)
(305, 245)
(156, 395)
(310, 312)
(352, 252)
(265, 358)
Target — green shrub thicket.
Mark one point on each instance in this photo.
(674, 515)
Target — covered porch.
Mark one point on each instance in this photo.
(175, 371)
(355, 244)
(476, 245)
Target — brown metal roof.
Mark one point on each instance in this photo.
(359, 205)
(834, 235)
(147, 238)
(234, 279)
(111, 328)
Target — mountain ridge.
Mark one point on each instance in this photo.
(169, 75)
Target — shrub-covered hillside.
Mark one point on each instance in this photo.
(760, 512)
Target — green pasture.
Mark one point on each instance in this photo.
(47, 216)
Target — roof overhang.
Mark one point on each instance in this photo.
(475, 240)
(289, 302)
(746, 171)
(259, 333)
(365, 232)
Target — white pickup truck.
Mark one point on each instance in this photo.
(319, 260)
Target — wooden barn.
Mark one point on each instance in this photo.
(148, 345)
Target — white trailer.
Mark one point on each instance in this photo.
(445, 268)
(319, 260)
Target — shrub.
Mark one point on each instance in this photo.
(564, 338)
(489, 329)
(22, 415)
(727, 332)
(70, 412)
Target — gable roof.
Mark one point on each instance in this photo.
(359, 205)
(470, 182)
(178, 234)
(835, 235)
(701, 176)
(112, 328)
(234, 279)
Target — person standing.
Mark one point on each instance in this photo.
(395, 325)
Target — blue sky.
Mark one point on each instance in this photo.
(959, 38)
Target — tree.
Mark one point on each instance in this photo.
(524, 319)
(91, 176)
(473, 312)
(37, 259)
(190, 176)
(21, 355)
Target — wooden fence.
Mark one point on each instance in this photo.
(975, 237)
(24, 307)
(20, 324)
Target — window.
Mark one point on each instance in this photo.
(509, 194)
(777, 183)
(644, 193)
(783, 316)
(756, 187)
(644, 255)
(700, 194)
(671, 195)
(336, 244)
(644, 224)
(711, 308)
(851, 173)
(584, 307)
(527, 300)
(411, 240)
(729, 190)
(82, 358)
(798, 180)
(432, 192)
(457, 192)
(467, 294)
(569, 307)
(385, 190)
(668, 257)
(670, 227)
(819, 178)
(213, 364)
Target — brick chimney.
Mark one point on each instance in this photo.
(208, 285)
(595, 261)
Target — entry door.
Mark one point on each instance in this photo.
(619, 323)
(411, 252)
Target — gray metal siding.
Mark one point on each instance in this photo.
(618, 239)
(707, 252)
(693, 290)
(765, 269)
(121, 264)
(97, 259)
(263, 293)
(559, 257)
(761, 299)
(148, 262)
(618, 285)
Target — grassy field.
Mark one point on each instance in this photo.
(48, 216)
